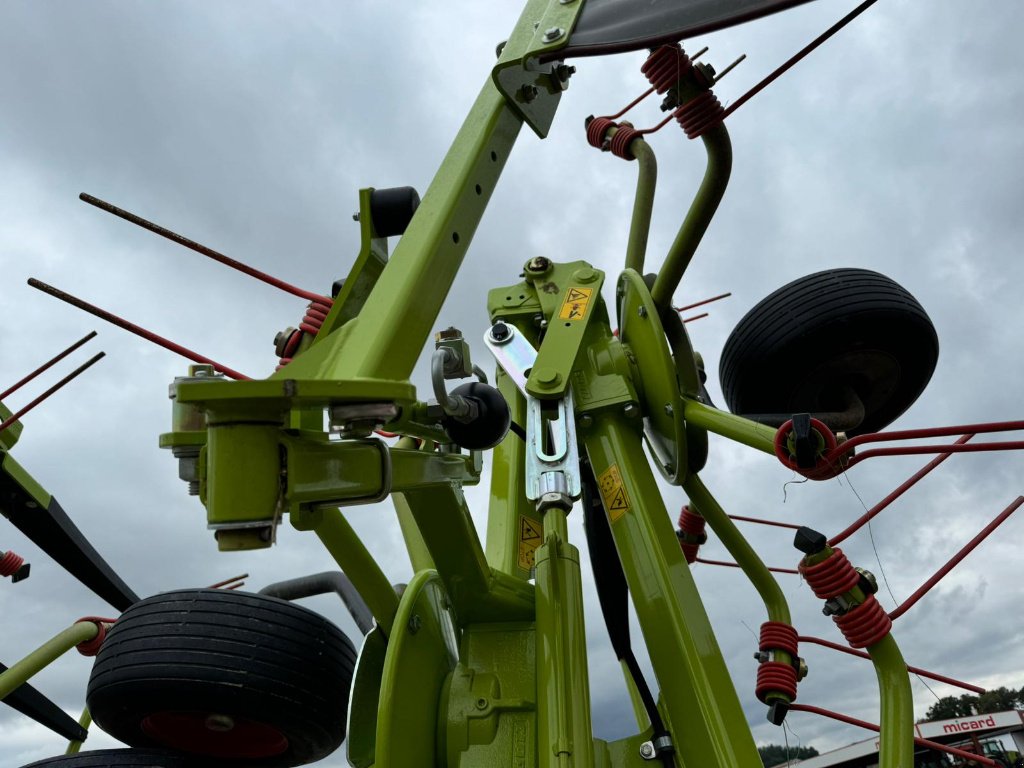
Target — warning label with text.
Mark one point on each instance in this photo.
(531, 536)
(613, 492)
(575, 305)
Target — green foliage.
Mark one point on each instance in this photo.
(997, 700)
(775, 754)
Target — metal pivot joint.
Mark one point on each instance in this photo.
(552, 454)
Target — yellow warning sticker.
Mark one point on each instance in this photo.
(530, 537)
(613, 492)
(575, 305)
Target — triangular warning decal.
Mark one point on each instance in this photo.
(619, 501)
(528, 529)
(577, 295)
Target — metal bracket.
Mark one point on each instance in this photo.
(552, 453)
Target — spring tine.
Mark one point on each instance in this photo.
(729, 69)
(137, 330)
(47, 365)
(51, 390)
(198, 247)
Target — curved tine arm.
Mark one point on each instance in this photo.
(709, 195)
(643, 204)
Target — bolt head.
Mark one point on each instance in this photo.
(646, 750)
(546, 376)
(538, 264)
(500, 332)
(552, 34)
(631, 410)
(642, 311)
(586, 421)
(528, 93)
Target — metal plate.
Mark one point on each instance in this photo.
(641, 330)
(617, 26)
(422, 652)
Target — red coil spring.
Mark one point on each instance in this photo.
(823, 470)
(700, 114)
(316, 313)
(10, 563)
(865, 624)
(92, 647)
(622, 139)
(311, 324)
(775, 677)
(776, 635)
(596, 130)
(665, 66)
(832, 577)
(691, 533)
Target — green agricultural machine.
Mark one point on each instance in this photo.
(481, 659)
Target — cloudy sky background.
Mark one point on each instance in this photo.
(251, 126)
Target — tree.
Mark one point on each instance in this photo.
(996, 700)
(952, 706)
(775, 754)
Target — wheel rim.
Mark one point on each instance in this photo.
(214, 734)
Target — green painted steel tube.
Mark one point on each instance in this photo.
(387, 337)
(744, 555)
(443, 519)
(85, 721)
(736, 428)
(508, 503)
(419, 555)
(709, 195)
(564, 731)
(897, 719)
(643, 205)
(699, 701)
(358, 564)
(46, 654)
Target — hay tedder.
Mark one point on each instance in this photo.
(481, 659)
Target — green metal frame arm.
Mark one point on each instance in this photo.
(736, 428)
(47, 653)
(698, 696)
(403, 306)
(477, 593)
(85, 721)
(351, 555)
(744, 555)
(709, 195)
(643, 204)
(897, 717)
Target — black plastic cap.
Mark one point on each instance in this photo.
(391, 209)
(809, 541)
(492, 424)
(777, 712)
(22, 573)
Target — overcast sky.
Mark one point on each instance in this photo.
(251, 126)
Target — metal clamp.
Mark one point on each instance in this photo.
(386, 479)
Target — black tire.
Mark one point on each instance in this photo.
(123, 758)
(224, 674)
(798, 349)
